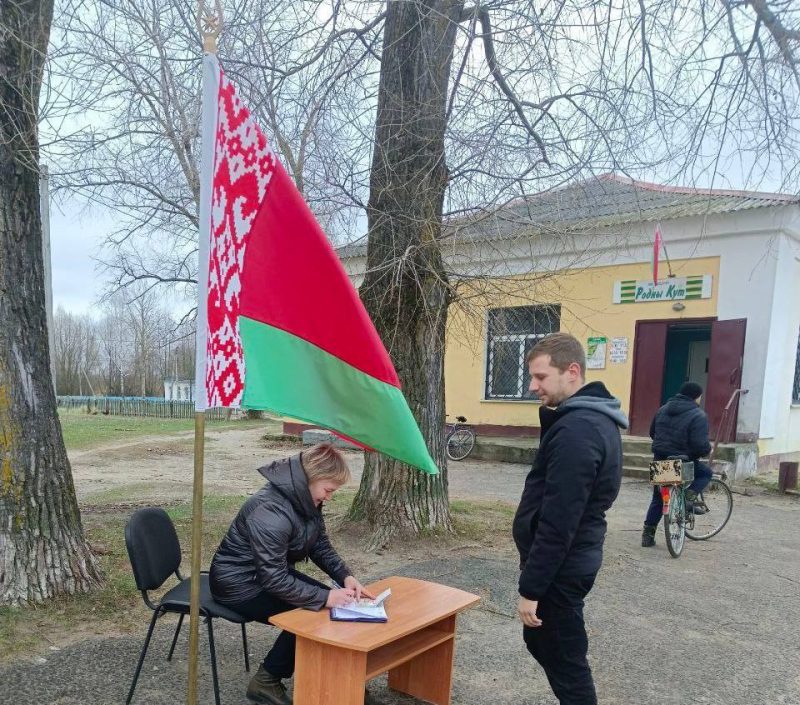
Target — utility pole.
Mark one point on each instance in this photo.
(44, 210)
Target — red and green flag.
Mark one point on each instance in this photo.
(280, 325)
(657, 244)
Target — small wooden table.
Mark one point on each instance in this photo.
(334, 660)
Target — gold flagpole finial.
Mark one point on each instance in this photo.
(209, 23)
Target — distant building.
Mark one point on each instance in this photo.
(178, 389)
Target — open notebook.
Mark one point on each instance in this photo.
(363, 611)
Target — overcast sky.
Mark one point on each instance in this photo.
(75, 240)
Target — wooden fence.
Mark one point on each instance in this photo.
(140, 406)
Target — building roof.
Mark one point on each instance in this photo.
(605, 201)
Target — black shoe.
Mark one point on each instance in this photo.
(696, 508)
(648, 536)
(693, 506)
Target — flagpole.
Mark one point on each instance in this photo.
(209, 24)
(197, 553)
(656, 252)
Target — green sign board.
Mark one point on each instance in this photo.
(631, 291)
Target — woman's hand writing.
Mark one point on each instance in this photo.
(360, 590)
(340, 597)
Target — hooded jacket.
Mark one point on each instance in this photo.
(560, 524)
(277, 527)
(680, 428)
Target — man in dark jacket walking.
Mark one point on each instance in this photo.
(679, 429)
(560, 525)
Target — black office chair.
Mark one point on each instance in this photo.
(155, 554)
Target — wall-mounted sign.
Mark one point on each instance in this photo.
(619, 351)
(596, 353)
(630, 291)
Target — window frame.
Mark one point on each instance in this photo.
(522, 339)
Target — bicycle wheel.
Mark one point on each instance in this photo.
(718, 500)
(674, 526)
(460, 444)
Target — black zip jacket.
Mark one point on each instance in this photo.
(277, 527)
(560, 524)
(680, 428)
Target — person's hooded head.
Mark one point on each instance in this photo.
(691, 390)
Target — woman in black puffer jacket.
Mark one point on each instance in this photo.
(253, 569)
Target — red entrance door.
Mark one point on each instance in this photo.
(724, 373)
(649, 352)
(724, 376)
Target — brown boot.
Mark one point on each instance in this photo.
(266, 689)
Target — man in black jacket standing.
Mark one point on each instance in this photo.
(679, 429)
(560, 525)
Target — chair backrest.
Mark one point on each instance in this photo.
(153, 547)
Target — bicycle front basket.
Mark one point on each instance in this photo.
(671, 472)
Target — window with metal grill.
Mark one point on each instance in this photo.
(512, 332)
(796, 387)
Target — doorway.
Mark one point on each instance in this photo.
(667, 353)
(688, 349)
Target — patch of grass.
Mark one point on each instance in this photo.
(126, 495)
(767, 482)
(115, 607)
(83, 430)
(340, 502)
(214, 507)
(483, 521)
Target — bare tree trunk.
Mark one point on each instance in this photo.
(406, 290)
(42, 547)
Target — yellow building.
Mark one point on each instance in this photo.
(725, 311)
(483, 383)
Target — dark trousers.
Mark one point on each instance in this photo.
(280, 659)
(560, 645)
(702, 476)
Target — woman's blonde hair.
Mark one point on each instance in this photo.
(325, 462)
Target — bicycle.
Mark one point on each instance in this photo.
(674, 476)
(460, 440)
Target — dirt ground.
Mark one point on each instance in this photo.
(231, 460)
(719, 626)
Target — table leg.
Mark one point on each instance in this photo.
(328, 675)
(428, 676)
